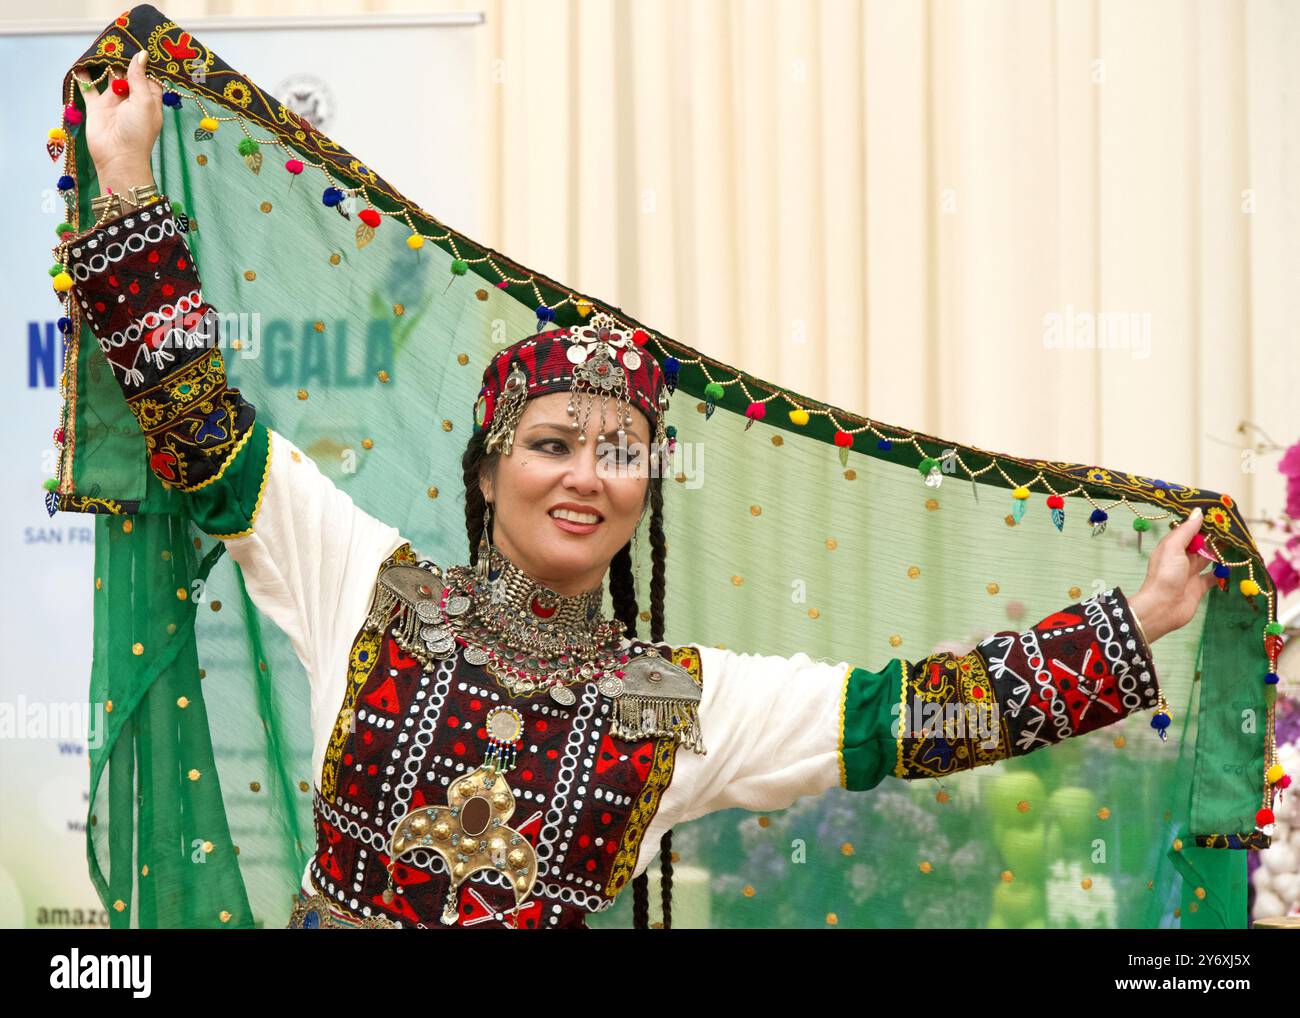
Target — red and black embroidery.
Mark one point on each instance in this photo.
(1077, 670)
(135, 282)
(583, 795)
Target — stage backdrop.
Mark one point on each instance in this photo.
(321, 69)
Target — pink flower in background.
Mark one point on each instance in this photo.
(1284, 574)
(1289, 465)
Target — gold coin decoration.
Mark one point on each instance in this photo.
(432, 492)
(932, 504)
(367, 443)
(302, 393)
(250, 275)
(1074, 592)
(992, 588)
(832, 544)
(335, 259)
(748, 891)
(1103, 813)
(399, 309)
(182, 702)
(736, 581)
(846, 849)
(137, 649)
(850, 474)
(814, 613)
(925, 867)
(895, 640)
(778, 440)
(755, 510)
(201, 159)
(462, 358)
(913, 572)
(1023, 806)
(193, 774)
(1086, 883)
(446, 425)
(318, 325)
(254, 786)
(127, 526)
(265, 206)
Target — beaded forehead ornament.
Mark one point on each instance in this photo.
(589, 361)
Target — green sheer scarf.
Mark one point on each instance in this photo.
(811, 530)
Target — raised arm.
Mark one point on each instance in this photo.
(306, 550)
(778, 728)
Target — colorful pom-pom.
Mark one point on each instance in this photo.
(1195, 545)
(1264, 817)
(799, 417)
(209, 124)
(66, 183)
(928, 464)
(1275, 774)
(884, 444)
(584, 307)
(331, 196)
(503, 285)
(121, 87)
(247, 147)
(1274, 629)
(415, 242)
(50, 483)
(63, 228)
(172, 99)
(369, 216)
(1097, 516)
(459, 267)
(756, 411)
(670, 431)
(72, 115)
(843, 439)
(293, 166)
(58, 436)
(58, 134)
(65, 325)
(640, 337)
(62, 282)
(1055, 502)
(714, 391)
(1270, 678)
(1141, 524)
(1222, 572)
(545, 314)
(1020, 492)
(1284, 782)
(1161, 721)
(1249, 587)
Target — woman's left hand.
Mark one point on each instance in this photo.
(1176, 581)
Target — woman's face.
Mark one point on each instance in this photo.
(548, 470)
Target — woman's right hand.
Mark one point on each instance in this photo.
(121, 130)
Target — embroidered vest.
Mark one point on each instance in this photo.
(408, 729)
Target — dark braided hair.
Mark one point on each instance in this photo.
(622, 591)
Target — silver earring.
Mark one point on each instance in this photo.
(484, 549)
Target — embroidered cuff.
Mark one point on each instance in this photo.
(135, 282)
(1077, 670)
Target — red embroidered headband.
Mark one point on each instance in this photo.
(589, 360)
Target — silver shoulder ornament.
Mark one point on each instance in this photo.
(660, 698)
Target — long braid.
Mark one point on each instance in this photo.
(475, 504)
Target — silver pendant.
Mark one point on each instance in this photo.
(457, 605)
(440, 647)
(611, 686)
(563, 695)
(427, 610)
(434, 634)
(475, 656)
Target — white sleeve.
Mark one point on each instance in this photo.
(772, 730)
(310, 558)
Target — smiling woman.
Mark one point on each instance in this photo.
(486, 746)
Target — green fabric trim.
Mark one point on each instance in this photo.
(227, 506)
(868, 747)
